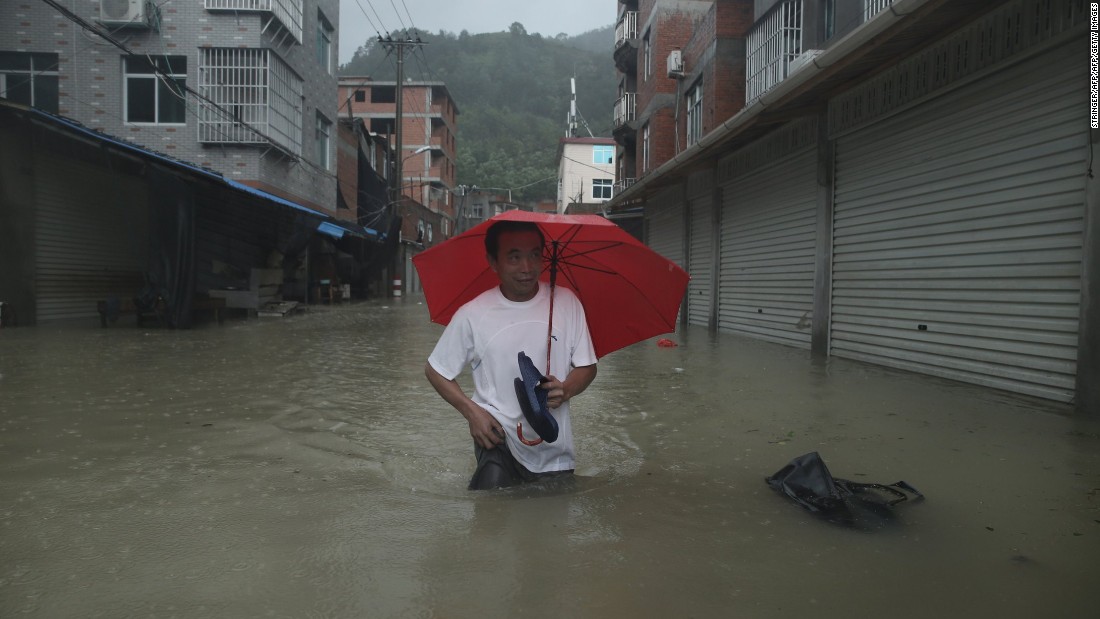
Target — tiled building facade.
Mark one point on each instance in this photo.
(243, 88)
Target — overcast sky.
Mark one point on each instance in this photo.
(363, 19)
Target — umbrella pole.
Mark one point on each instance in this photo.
(550, 323)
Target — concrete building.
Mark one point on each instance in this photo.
(586, 172)
(242, 91)
(908, 185)
(243, 87)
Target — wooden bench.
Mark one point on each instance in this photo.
(126, 306)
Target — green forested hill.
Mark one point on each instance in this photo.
(512, 92)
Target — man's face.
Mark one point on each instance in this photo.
(518, 263)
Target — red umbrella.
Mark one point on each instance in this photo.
(629, 292)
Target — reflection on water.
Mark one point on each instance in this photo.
(303, 467)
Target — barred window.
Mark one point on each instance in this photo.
(772, 44)
(251, 97)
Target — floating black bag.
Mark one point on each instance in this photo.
(807, 481)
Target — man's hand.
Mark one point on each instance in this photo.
(485, 429)
(577, 381)
(555, 391)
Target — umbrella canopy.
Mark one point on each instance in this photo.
(629, 292)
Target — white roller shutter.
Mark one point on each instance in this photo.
(767, 251)
(958, 232)
(700, 260)
(91, 238)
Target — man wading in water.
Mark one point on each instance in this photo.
(487, 333)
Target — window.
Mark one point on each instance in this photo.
(324, 128)
(603, 154)
(382, 126)
(324, 42)
(383, 94)
(647, 56)
(645, 148)
(155, 89)
(695, 114)
(30, 79)
(601, 188)
(360, 96)
(248, 90)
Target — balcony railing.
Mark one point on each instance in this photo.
(624, 109)
(627, 28)
(288, 12)
(623, 184)
(874, 7)
(772, 44)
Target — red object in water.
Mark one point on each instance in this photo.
(664, 342)
(630, 293)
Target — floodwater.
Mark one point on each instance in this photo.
(303, 467)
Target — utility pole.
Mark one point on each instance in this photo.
(398, 181)
(399, 45)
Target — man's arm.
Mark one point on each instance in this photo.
(575, 383)
(483, 427)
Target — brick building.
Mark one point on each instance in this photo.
(429, 121)
(905, 183)
(681, 72)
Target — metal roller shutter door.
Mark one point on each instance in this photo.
(958, 232)
(665, 226)
(700, 261)
(90, 238)
(767, 252)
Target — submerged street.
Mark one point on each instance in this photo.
(304, 467)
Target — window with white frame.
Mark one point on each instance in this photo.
(155, 89)
(30, 79)
(249, 90)
(601, 189)
(324, 141)
(645, 148)
(324, 42)
(603, 154)
(695, 113)
(647, 56)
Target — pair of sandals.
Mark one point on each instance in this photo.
(532, 401)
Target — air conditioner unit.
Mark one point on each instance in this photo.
(124, 13)
(803, 59)
(675, 64)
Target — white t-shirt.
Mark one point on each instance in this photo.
(488, 333)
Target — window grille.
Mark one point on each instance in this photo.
(874, 7)
(288, 12)
(251, 90)
(773, 43)
(624, 109)
(695, 114)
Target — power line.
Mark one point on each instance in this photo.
(80, 21)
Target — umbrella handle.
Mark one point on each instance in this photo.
(519, 433)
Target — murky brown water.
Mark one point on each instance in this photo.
(303, 467)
